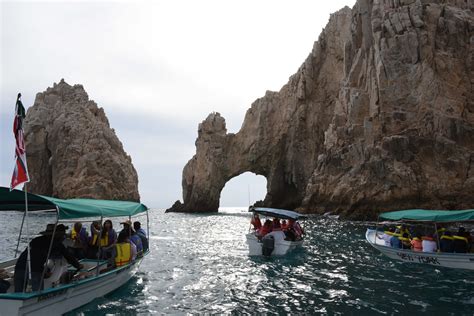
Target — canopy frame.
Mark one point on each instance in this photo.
(278, 213)
(69, 208)
(429, 216)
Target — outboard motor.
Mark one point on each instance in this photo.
(268, 244)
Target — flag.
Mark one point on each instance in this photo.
(20, 172)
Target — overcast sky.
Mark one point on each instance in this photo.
(158, 69)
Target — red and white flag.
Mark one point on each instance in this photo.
(20, 173)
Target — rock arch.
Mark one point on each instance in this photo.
(244, 189)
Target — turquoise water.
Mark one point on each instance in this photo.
(199, 264)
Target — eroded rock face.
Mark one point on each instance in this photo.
(72, 152)
(380, 116)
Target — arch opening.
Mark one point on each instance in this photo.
(243, 190)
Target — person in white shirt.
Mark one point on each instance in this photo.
(428, 244)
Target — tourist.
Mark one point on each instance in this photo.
(124, 251)
(395, 242)
(402, 229)
(277, 233)
(132, 236)
(439, 232)
(38, 251)
(446, 242)
(265, 229)
(255, 222)
(387, 235)
(406, 242)
(80, 241)
(416, 243)
(428, 243)
(284, 225)
(298, 230)
(108, 237)
(142, 234)
(460, 241)
(93, 249)
(276, 223)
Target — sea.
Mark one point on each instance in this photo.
(199, 264)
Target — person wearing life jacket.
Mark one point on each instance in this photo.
(108, 237)
(428, 243)
(405, 241)
(80, 238)
(265, 229)
(439, 232)
(446, 242)
(255, 222)
(298, 230)
(132, 236)
(416, 243)
(402, 229)
(284, 225)
(93, 248)
(461, 241)
(124, 251)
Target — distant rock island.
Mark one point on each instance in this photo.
(72, 152)
(380, 116)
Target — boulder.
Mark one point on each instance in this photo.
(71, 150)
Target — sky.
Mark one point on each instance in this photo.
(158, 68)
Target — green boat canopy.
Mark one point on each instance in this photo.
(429, 216)
(68, 209)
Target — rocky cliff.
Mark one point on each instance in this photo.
(72, 151)
(380, 116)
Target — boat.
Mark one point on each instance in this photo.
(94, 280)
(417, 217)
(260, 246)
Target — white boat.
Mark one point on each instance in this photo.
(439, 259)
(279, 247)
(91, 282)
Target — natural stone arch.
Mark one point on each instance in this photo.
(221, 157)
(247, 186)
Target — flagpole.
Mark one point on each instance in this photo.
(28, 258)
(19, 235)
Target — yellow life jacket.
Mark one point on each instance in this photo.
(446, 237)
(389, 232)
(404, 239)
(104, 241)
(416, 238)
(73, 234)
(94, 239)
(123, 254)
(460, 238)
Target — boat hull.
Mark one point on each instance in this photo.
(281, 247)
(439, 259)
(63, 299)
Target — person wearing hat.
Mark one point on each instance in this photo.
(39, 247)
(132, 236)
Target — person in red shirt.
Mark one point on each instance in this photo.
(255, 221)
(265, 229)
